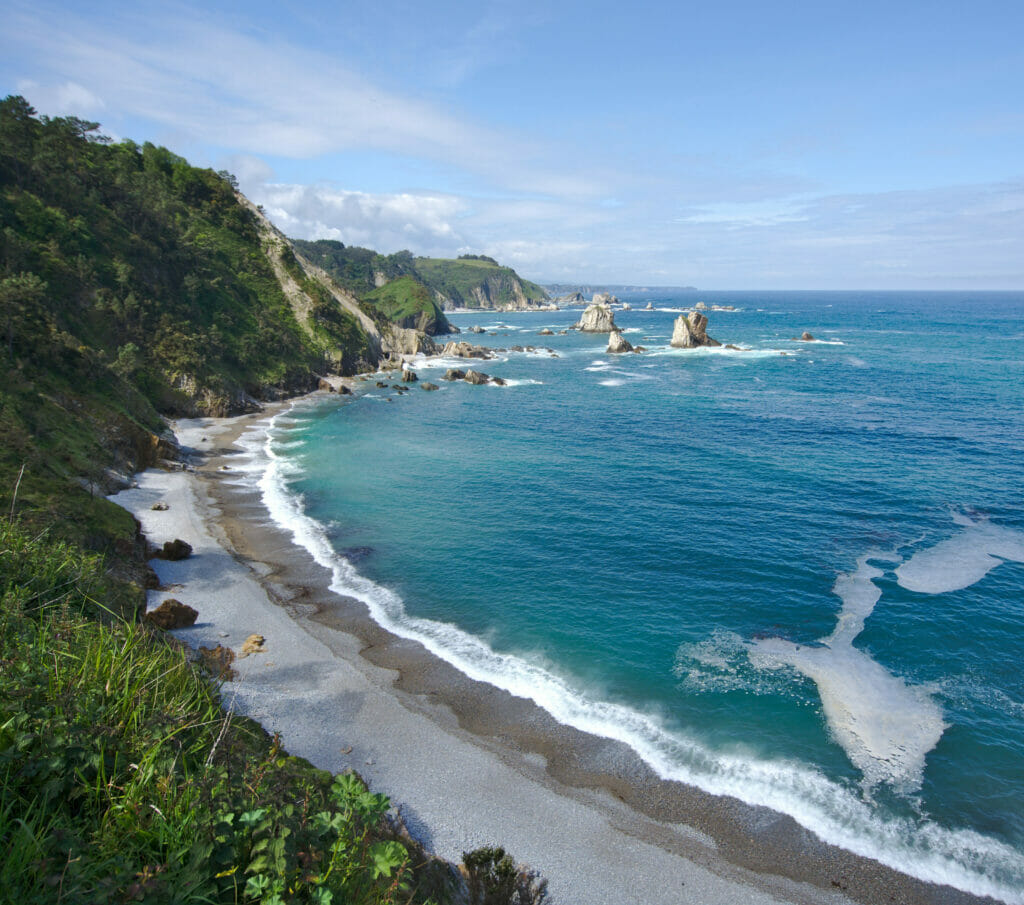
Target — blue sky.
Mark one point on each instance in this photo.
(727, 145)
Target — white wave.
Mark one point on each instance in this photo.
(520, 382)
(960, 858)
(742, 352)
(961, 560)
(613, 382)
(885, 726)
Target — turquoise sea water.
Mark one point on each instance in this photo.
(793, 573)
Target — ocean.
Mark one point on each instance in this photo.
(792, 573)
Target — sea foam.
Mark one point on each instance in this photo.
(961, 560)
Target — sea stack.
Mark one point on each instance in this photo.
(597, 318)
(690, 332)
(617, 344)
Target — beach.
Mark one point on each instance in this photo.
(464, 763)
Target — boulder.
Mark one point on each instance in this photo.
(476, 378)
(254, 644)
(172, 614)
(427, 385)
(381, 385)
(617, 343)
(596, 319)
(546, 332)
(649, 307)
(691, 332)
(218, 661)
(325, 385)
(454, 374)
(464, 349)
(176, 549)
(160, 506)
(344, 390)
(477, 329)
(806, 337)
(498, 381)
(409, 376)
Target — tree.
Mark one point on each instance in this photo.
(21, 308)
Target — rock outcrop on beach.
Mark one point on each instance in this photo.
(617, 344)
(690, 332)
(172, 614)
(597, 318)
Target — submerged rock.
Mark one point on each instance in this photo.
(427, 385)
(690, 332)
(617, 343)
(477, 378)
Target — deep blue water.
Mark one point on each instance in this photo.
(649, 546)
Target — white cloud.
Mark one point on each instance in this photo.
(426, 224)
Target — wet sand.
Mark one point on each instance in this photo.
(466, 763)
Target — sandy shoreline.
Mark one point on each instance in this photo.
(466, 763)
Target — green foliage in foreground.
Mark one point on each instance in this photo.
(121, 778)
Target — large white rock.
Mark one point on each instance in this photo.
(617, 343)
(596, 319)
(689, 332)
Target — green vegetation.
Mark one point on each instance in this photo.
(122, 778)
(408, 303)
(477, 282)
(354, 268)
(471, 281)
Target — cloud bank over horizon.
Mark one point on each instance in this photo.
(758, 164)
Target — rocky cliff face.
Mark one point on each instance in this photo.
(596, 319)
(690, 332)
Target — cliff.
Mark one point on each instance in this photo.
(132, 286)
(477, 282)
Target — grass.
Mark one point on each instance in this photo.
(122, 778)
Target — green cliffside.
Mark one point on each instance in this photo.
(478, 282)
(471, 281)
(133, 285)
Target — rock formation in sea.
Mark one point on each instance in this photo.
(690, 332)
(598, 318)
(604, 298)
(465, 350)
(617, 343)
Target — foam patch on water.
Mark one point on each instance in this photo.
(961, 560)
(613, 382)
(885, 726)
(960, 858)
(718, 350)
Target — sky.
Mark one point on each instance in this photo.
(728, 145)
